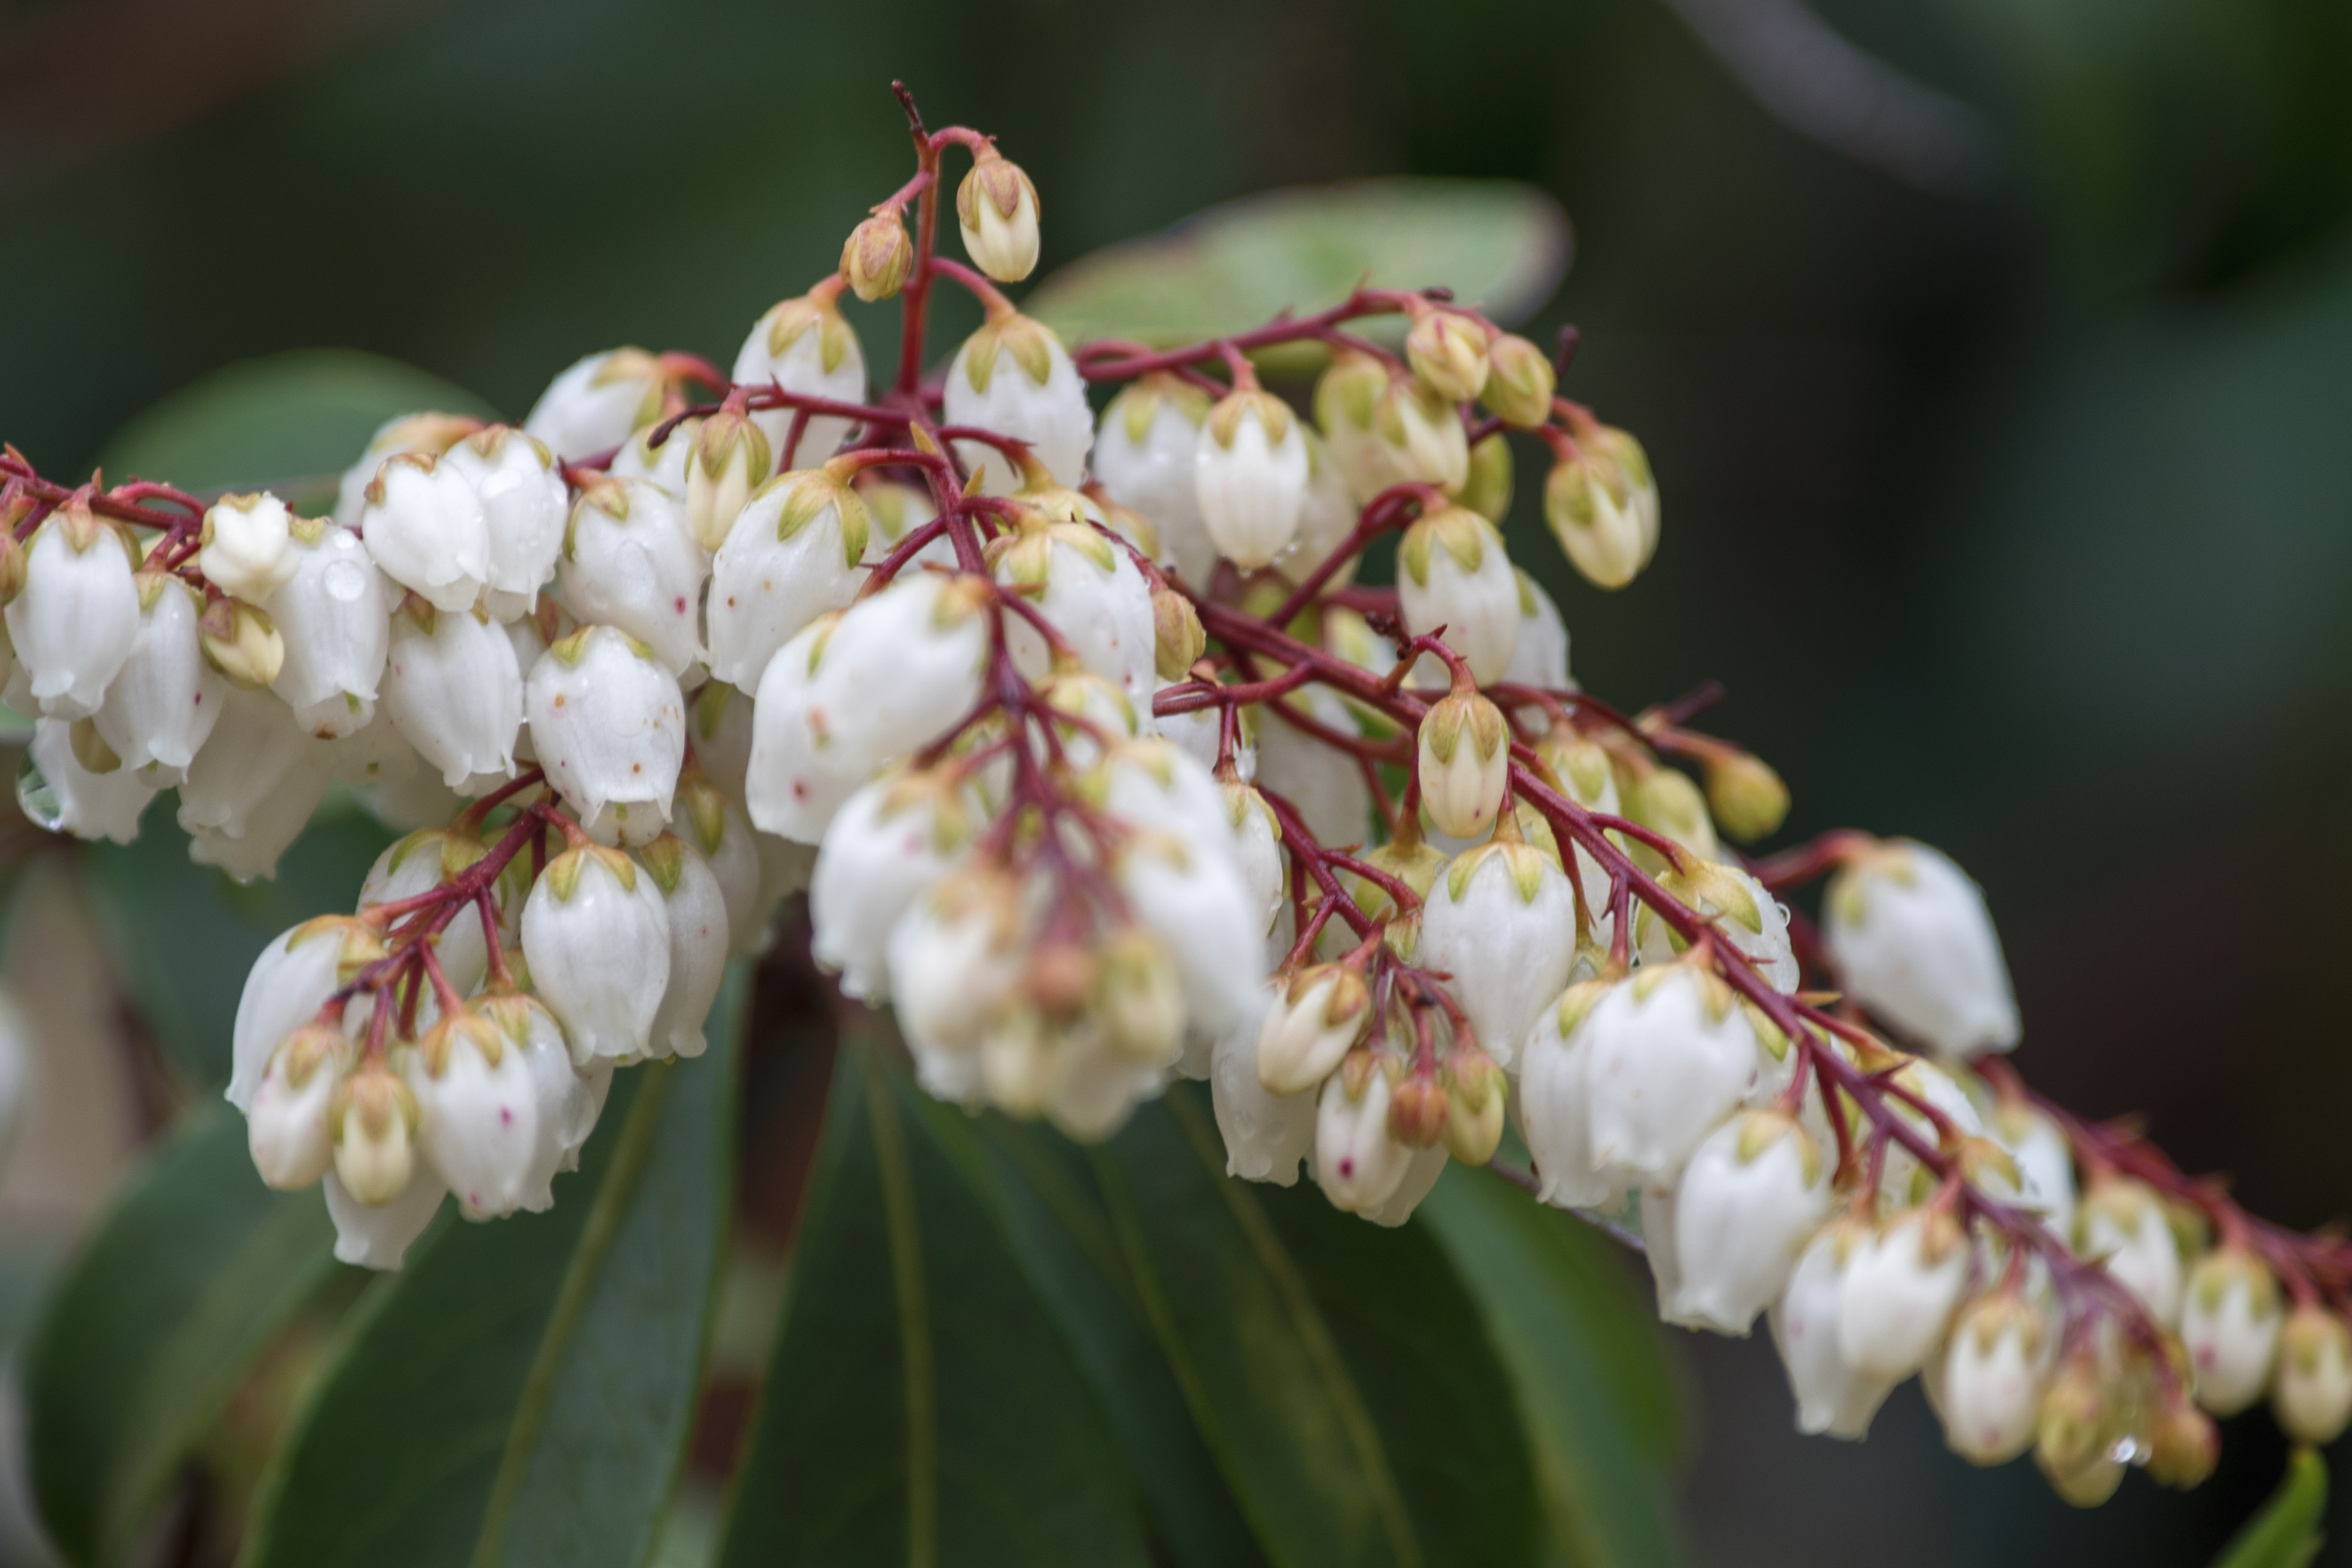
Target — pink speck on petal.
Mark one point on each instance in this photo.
(1347, 1168)
(506, 1117)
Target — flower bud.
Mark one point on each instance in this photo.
(1833, 1396)
(1419, 437)
(241, 642)
(1454, 575)
(695, 909)
(451, 686)
(996, 209)
(1313, 1025)
(598, 936)
(1754, 1192)
(1488, 491)
(1501, 923)
(1012, 377)
(1357, 1164)
(1178, 642)
(610, 730)
(729, 458)
(524, 504)
(423, 524)
(1519, 382)
(791, 555)
(1266, 1135)
(1448, 351)
(1899, 1290)
(1476, 1101)
(1251, 477)
(1992, 1375)
(429, 432)
(2184, 1447)
(2313, 1394)
(1418, 1111)
(630, 561)
(1671, 1055)
(1746, 796)
(597, 404)
(287, 1126)
(12, 554)
(373, 1119)
(2123, 1225)
(1666, 802)
(331, 619)
(1464, 763)
(1136, 998)
(876, 256)
(75, 621)
(1603, 505)
(806, 348)
(1908, 934)
(2045, 1162)
(2076, 1430)
(246, 551)
(1347, 403)
(2230, 1323)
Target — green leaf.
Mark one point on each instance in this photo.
(307, 414)
(1496, 242)
(142, 1340)
(920, 1408)
(183, 936)
(2285, 1534)
(523, 1392)
(1338, 1370)
(1595, 1385)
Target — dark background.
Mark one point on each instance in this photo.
(2002, 410)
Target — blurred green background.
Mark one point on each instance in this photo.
(1995, 357)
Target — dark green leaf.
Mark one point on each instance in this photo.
(1496, 242)
(303, 415)
(1594, 1384)
(523, 1392)
(2285, 1534)
(920, 1408)
(1340, 1371)
(146, 1336)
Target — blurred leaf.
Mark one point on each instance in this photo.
(1496, 242)
(2285, 1534)
(1338, 1370)
(182, 935)
(920, 1408)
(1587, 1362)
(303, 414)
(523, 1392)
(142, 1342)
(1045, 1198)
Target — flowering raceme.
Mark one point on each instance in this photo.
(1100, 769)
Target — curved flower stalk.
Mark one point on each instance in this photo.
(1100, 780)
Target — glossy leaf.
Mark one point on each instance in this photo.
(1338, 1370)
(2285, 1533)
(142, 1342)
(1590, 1370)
(523, 1392)
(1496, 243)
(922, 1407)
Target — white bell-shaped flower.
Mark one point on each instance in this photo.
(664, 463)
(609, 727)
(273, 822)
(699, 942)
(1188, 893)
(597, 933)
(1994, 1370)
(288, 984)
(69, 796)
(430, 432)
(478, 1107)
(2313, 1395)
(1146, 449)
(286, 1127)
(255, 750)
(953, 957)
(1752, 1196)
(1898, 1291)
(1745, 915)
(1671, 1054)
(1326, 518)
(451, 686)
(1250, 475)
(1266, 1135)
(2230, 1322)
(1325, 784)
(1462, 759)
(1539, 657)
(1555, 1104)
(524, 505)
(597, 403)
(845, 697)
(891, 840)
(1453, 574)
(246, 551)
(331, 615)
(426, 529)
(1502, 922)
(1421, 1173)
(1902, 1179)
(793, 554)
(1832, 1397)
(629, 562)
(1013, 377)
(378, 1235)
(2045, 1162)
(428, 858)
(1089, 589)
(2124, 1223)
(565, 1103)
(804, 347)
(1909, 936)
(76, 620)
(1358, 1163)
(1310, 1027)
(1257, 850)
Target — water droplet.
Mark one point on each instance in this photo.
(345, 581)
(37, 798)
(2127, 1451)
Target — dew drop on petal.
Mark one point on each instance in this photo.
(345, 581)
(37, 798)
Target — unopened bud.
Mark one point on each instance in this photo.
(1136, 998)
(1464, 764)
(1488, 491)
(1474, 1106)
(1603, 505)
(1061, 976)
(2313, 1393)
(1417, 1111)
(2184, 1447)
(996, 207)
(1178, 641)
(374, 1121)
(2077, 1427)
(12, 554)
(241, 642)
(1448, 352)
(876, 258)
(1519, 382)
(1311, 1027)
(730, 460)
(1747, 797)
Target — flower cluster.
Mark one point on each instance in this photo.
(1099, 767)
